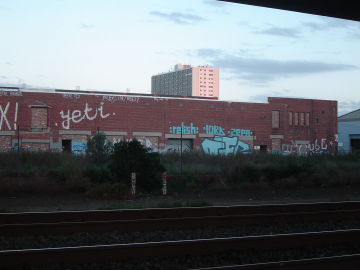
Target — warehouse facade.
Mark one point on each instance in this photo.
(64, 120)
(349, 132)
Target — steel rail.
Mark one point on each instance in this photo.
(348, 262)
(141, 251)
(156, 213)
(16, 230)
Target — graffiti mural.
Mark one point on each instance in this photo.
(78, 148)
(221, 145)
(318, 147)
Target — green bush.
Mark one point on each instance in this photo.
(133, 157)
(98, 147)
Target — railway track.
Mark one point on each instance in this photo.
(15, 226)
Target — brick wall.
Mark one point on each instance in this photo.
(210, 124)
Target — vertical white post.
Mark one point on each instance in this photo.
(164, 183)
(133, 183)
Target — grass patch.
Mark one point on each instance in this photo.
(45, 172)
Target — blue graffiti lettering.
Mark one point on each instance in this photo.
(240, 132)
(185, 129)
(224, 145)
(216, 130)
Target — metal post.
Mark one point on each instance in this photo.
(164, 183)
(18, 151)
(133, 183)
(98, 139)
(253, 146)
(181, 150)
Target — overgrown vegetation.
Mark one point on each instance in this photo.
(98, 148)
(44, 172)
(130, 157)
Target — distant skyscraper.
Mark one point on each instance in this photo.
(185, 80)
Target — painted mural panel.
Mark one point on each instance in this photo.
(149, 141)
(221, 145)
(174, 145)
(78, 148)
(35, 147)
(5, 143)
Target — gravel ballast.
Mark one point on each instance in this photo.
(188, 262)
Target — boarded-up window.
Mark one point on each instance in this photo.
(290, 118)
(275, 119)
(39, 117)
(296, 120)
(174, 145)
(307, 119)
(302, 119)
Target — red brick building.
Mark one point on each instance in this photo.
(57, 120)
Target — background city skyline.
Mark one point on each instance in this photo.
(114, 45)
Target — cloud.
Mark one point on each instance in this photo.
(278, 31)
(353, 35)
(326, 24)
(345, 107)
(3, 77)
(8, 63)
(208, 52)
(178, 17)
(87, 26)
(261, 70)
(214, 3)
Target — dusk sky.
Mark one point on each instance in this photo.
(113, 45)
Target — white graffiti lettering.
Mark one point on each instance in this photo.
(3, 116)
(71, 96)
(76, 116)
(3, 93)
(17, 94)
(323, 144)
(121, 98)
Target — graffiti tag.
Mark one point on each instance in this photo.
(220, 145)
(76, 116)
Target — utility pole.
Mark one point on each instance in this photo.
(181, 150)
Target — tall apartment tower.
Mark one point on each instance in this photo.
(185, 80)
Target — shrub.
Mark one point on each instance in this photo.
(130, 157)
(98, 147)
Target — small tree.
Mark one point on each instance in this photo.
(129, 157)
(98, 147)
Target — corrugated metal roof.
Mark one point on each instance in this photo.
(350, 117)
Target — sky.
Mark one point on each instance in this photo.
(114, 45)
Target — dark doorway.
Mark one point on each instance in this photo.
(66, 146)
(355, 144)
(263, 149)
